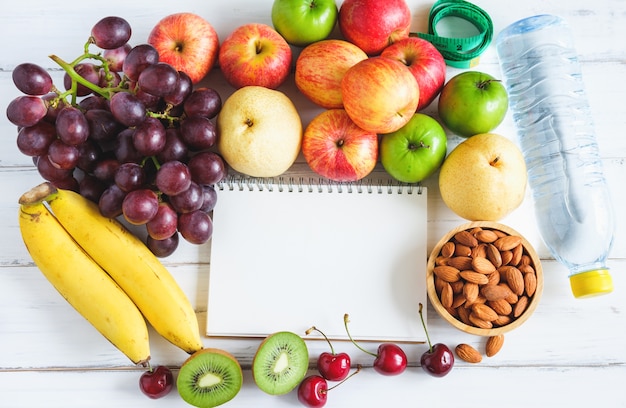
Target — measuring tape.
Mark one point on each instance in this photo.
(459, 52)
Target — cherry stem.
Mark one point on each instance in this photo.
(358, 368)
(345, 323)
(313, 328)
(430, 346)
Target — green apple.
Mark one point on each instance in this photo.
(415, 151)
(302, 22)
(472, 102)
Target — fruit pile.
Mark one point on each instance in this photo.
(127, 131)
(133, 133)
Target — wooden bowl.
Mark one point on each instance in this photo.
(462, 285)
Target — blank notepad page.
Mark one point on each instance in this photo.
(287, 256)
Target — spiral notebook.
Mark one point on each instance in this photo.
(288, 254)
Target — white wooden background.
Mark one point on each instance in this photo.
(571, 352)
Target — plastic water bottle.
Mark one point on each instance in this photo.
(555, 129)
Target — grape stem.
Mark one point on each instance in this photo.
(77, 79)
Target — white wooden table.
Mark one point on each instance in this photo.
(570, 353)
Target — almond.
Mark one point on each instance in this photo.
(474, 277)
(470, 291)
(508, 242)
(486, 236)
(483, 265)
(447, 250)
(479, 251)
(447, 273)
(493, 278)
(514, 279)
(484, 312)
(480, 323)
(526, 268)
(501, 306)
(461, 262)
(466, 238)
(447, 296)
(518, 251)
(462, 250)
(468, 353)
(506, 257)
(502, 320)
(530, 283)
(494, 345)
(495, 292)
(493, 254)
(464, 315)
(520, 306)
(457, 287)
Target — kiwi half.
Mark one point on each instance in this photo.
(280, 363)
(209, 377)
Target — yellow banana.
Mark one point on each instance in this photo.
(82, 282)
(132, 265)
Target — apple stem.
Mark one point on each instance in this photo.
(313, 328)
(345, 323)
(484, 84)
(430, 346)
(358, 368)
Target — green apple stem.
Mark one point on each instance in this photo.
(313, 328)
(345, 323)
(430, 346)
(482, 85)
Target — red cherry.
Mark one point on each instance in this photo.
(438, 360)
(156, 383)
(313, 391)
(333, 367)
(390, 360)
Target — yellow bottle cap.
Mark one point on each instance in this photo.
(591, 283)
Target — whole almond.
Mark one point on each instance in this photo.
(447, 296)
(468, 353)
(462, 250)
(466, 238)
(493, 278)
(484, 312)
(506, 257)
(502, 320)
(464, 315)
(474, 277)
(480, 323)
(447, 273)
(457, 287)
(447, 250)
(514, 278)
(470, 291)
(501, 306)
(494, 345)
(530, 283)
(520, 306)
(508, 242)
(479, 251)
(526, 268)
(495, 292)
(518, 251)
(483, 265)
(439, 284)
(460, 262)
(458, 300)
(486, 236)
(493, 254)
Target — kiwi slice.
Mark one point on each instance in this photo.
(280, 363)
(209, 377)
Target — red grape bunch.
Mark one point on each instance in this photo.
(126, 131)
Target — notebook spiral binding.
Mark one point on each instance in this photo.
(319, 185)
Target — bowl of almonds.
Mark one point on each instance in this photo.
(484, 278)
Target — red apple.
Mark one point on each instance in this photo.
(336, 148)
(380, 94)
(425, 63)
(374, 24)
(187, 42)
(255, 54)
(320, 67)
